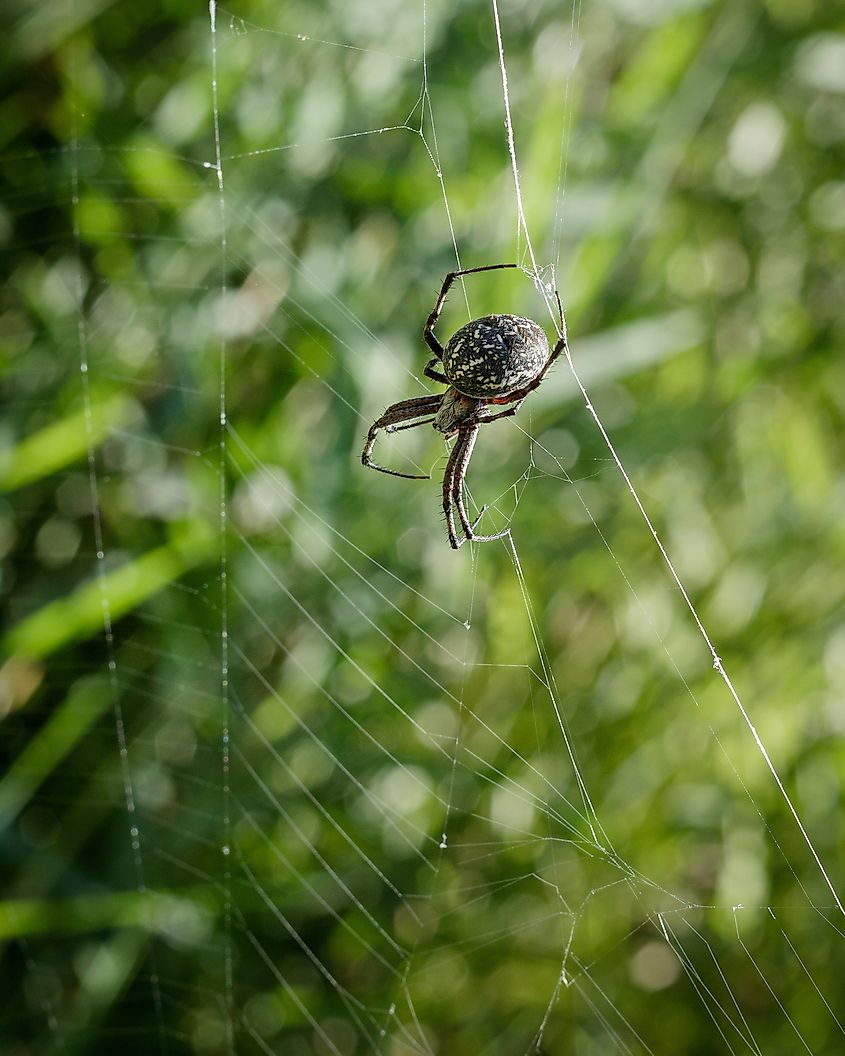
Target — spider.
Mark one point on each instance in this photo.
(494, 360)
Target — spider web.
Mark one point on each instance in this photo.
(367, 794)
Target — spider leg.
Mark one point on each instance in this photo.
(461, 466)
(428, 329)
(453, 481)
(560, 313)
(389, 421)
(436, 375)
(448, 481)
(561, 346)
(509, 413)
(411, 425)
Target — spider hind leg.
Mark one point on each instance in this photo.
(453, 498)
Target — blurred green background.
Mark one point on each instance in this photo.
(281, 772)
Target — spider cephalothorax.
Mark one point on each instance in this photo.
(497, 359)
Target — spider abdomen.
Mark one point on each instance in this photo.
(495, 355)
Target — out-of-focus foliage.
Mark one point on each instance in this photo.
(285, 774)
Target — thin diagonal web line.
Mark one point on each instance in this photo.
(717, 663)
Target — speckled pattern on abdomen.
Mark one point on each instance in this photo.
(494, 355)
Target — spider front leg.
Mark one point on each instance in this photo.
(428, 329)
(389, 421)
(430, 371)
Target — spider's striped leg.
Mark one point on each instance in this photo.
(448, 482)
(428, 329)
(396, 413)
(453, 484)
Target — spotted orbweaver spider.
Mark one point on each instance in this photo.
(494, 360)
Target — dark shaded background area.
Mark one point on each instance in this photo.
(281, 773)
